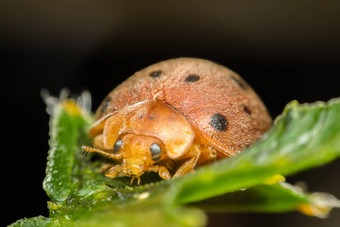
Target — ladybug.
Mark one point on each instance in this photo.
(175, 115)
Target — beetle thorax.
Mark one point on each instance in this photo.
(149, 119)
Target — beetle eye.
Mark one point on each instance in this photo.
(117, 146)
(156, 151)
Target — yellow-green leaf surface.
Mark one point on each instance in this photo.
(304, 136)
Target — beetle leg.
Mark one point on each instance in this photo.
(189, 165)
(162, 171)
(135, 177)
(106, 167)
(113, 171)
(208, 155)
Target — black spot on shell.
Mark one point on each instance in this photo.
(239, 83)
(192, 79)
(155, 74)
(105, 104)
(218, 122)
(246, 109)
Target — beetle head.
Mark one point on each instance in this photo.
(139, 153)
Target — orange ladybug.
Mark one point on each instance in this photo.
(175, 115)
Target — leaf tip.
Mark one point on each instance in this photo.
(76, 106)
(320, 205)
(71, 107)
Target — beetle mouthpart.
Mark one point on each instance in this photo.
(114, 171)
(133, 169)
(164, 173)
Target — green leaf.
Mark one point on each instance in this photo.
(304, 136)
(279, 197)
(66, 130)
(29, 222)
(262, 198)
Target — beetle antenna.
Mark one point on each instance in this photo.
(104, 153)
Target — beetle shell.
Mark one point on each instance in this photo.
(218, 90)
(216, 102)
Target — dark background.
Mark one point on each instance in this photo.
(285, 49)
